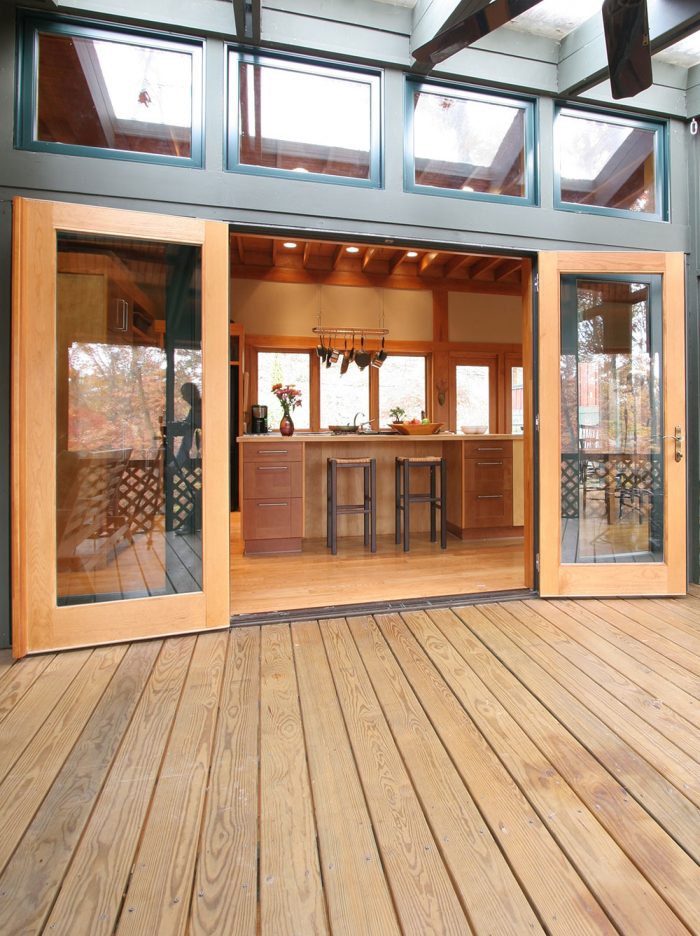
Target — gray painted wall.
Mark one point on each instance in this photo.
(302, 205)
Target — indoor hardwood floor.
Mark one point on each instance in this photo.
(525, 767)
(315, 578)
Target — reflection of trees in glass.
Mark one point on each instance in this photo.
(402, 383)
(116, 397)
(472, 395)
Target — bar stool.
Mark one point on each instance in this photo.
(404, 498)
(368, 507)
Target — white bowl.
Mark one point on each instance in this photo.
(474, 430)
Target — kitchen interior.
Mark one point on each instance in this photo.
(395, 352)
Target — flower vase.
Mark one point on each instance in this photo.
(286, 425)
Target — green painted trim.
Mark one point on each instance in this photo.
(527, 105)
(28, 28)
(373, 77)
(661, 157)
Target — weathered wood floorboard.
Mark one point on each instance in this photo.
(500, 769)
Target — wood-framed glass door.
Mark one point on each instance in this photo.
(612, 424)
(120, 425)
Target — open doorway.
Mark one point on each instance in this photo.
(456, 328)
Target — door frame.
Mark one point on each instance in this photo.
(39, 624)
(605, 579)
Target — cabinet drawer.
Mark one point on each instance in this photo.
(272, 519)
(271, 452)
(488, 510)
(488, 475)
(476, 448)
(274, 479)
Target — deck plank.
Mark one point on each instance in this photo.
(621, 614)
(157, 900)
(91, 894)
(347, 844)
(490, 894)
(645, 666)
(626, 897)
(225, 895)
(15, 681)
(666, 866)
(30, 884)
(563, 633)
(424, 896)
(36, 705)
(666, 620)
(561, 899)
(291, 893)
(31, 778)
(648, 762)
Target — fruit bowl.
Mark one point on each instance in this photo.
(417, 428)
(474, 430)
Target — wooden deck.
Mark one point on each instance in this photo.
(518, 768)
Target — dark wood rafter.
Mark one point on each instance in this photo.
(367, 258)
(506, 268)
(427, 260)
(457, 263)
(484, 269)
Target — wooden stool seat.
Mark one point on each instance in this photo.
(368, 507)
(404, 498)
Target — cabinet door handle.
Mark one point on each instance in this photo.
(271, 452)
(490, 463)
(280, 504)
(272, 468)
(122, 323)
(488, 496)
(491, 448)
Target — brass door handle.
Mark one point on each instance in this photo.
(678, 441)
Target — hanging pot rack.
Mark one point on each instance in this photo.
(350, 332)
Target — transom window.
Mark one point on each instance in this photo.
(467, 144)
(302, 119)
(610, 165)
(108, 92)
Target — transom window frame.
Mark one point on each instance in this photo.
(529, 105)
(31, 24)
(374, 77)
(661, 157)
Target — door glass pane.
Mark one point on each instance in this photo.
(128, 419)
(611, 420)
(472, 396)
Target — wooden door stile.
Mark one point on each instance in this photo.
(291, 891)
(671, 872)
(31, 882)
(225, 893)
(348, 848)
(561, 899)
(91, 893)
(423, 893)
(157, 900)
(490, 894)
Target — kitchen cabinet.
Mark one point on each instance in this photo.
(273, 486)
(98, 301)
(488, 483)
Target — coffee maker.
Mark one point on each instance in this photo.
(258, 418)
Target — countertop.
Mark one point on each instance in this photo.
(365, 437)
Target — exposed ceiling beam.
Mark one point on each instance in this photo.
(505, 268)
(367, 258)
(484, 267)
(241, 249)
(432, 17)
(247, 16)
(239, 16)
(337, 254)
(307, 253)
(456, 263)
(583, 60)
(467, 28)
(427, 260)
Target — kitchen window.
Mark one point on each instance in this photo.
(302, 120)
(102, 91)
(288, 368)
(610, 165)
(402, 384)
(469, 145)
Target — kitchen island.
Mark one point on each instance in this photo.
(283, 485)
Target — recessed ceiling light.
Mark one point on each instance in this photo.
(290, 245)
(353, 249)
(412, 254)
